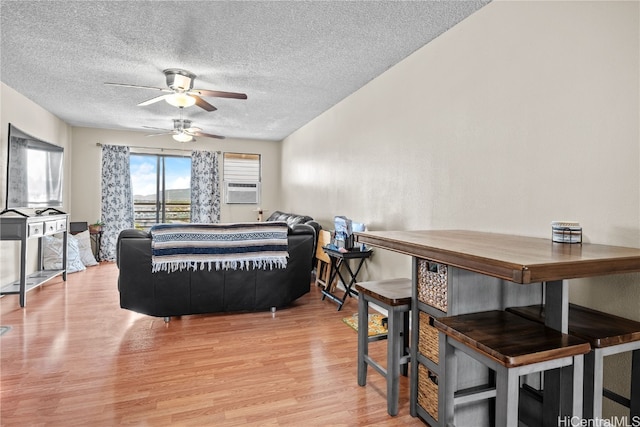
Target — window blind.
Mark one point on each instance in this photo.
(240, 167)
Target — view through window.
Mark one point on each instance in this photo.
(161, 186)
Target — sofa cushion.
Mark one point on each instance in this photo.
(52, 254)
(84, 247)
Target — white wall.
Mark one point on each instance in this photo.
(86, 203)
(34, 120)
(524, 113)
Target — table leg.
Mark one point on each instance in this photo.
(347, 284)
(557, 398)
(336, 263)
(332, 275)
(353, 275)
(635, 386)
(415, 335)
(352, 279)
(98, 245)
(556, 302)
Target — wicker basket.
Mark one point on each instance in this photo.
(432, 284)
(428, 391)
(428, 338)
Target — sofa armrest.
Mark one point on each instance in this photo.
(134, 233)
(302, 229)
(315, 224)
(131, 233)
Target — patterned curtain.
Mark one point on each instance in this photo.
(117, 200)
(205, 188)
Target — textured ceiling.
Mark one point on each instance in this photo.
(293, 59)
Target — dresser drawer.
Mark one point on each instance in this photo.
(50, 227)
(61, 225)
(35, 229)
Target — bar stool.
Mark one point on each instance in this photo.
(607, 334)
(511, 346)
(394, 295)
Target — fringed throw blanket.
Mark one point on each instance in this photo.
(260, 245)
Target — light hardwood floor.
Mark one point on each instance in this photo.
(74, 357)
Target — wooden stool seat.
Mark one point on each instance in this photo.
(391, 292)
(509, 339)
(394, 295)
(511, 346)
(600, 329)
(608, 334)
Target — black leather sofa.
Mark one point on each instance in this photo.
(186, 292)
(294, 219)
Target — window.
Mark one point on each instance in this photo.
(242, 178)
(240, 167)
(161, 186)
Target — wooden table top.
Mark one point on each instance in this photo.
(518, 259)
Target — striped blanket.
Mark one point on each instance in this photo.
(261, 245)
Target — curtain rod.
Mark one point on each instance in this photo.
(99, 144)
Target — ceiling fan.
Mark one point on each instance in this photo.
(181, 92)
(183, 132)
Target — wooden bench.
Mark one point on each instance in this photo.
(393, 295)
(608, 334)
(511, 346)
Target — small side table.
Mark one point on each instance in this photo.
(96, 236)
(338, 260)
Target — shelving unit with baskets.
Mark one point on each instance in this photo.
(444, 290)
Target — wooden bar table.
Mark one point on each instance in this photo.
(460, 271)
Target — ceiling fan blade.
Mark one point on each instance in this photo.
(163, 133)
(140, 87)
(153, 100)
(208, 135)
(162, 129)
(193, 129)
(203, 104)
(217, 94)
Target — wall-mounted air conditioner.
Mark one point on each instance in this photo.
(242, 192)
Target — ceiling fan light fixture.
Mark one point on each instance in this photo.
(183, 137)
(180, 100)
